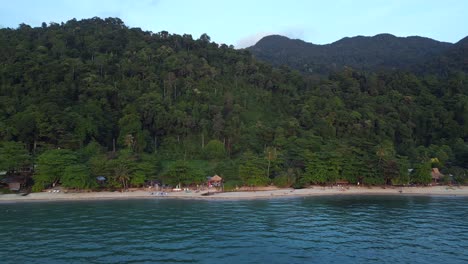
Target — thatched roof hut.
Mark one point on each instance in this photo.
(216, 178)
(436, 175)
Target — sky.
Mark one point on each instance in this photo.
(243, 22)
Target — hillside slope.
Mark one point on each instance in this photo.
(93, 98)
(382, 51)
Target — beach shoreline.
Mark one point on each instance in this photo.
(240, 195)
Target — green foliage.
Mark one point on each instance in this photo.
(373, 181)
(181, 172)
(6, 191)
(445, 179)
(13, 156)
(232, 185)
(122, 169)
(322, 168)
(214, 150)
(252, 170)
(316, 173)
(460, 175)
(131, 135)
(77, 177)
(228, 169)
(283, 181)
(148, 167)
(138, 179)
(91, 150)
(98, 165)
(404, 175)
(422, 173)
(51, 166)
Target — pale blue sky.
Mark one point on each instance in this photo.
(243, 22)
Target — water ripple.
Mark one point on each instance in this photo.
(313, 230)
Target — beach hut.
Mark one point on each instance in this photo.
(13, 183)
(215, 181)
(436, 175)
(342, 182)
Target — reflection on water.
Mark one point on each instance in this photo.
(345, 229)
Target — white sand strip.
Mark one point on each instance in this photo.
(313, 191)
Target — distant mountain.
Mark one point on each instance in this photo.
(454, 58)
(382, 51)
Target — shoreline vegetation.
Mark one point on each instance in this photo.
(260, 193)
(95, 104)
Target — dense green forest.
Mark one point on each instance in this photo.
(93, 98)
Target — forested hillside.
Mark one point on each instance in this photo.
(380, 52)
(93, 98)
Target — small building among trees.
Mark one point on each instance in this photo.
(14, 183)
(436, 175)
(215, 181)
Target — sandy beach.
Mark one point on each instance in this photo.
(265, 194)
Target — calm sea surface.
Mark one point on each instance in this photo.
(344, 229)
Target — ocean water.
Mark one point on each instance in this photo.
(334, 229)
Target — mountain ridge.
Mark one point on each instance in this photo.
(382, 51)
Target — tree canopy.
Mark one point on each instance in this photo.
(99, 98)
